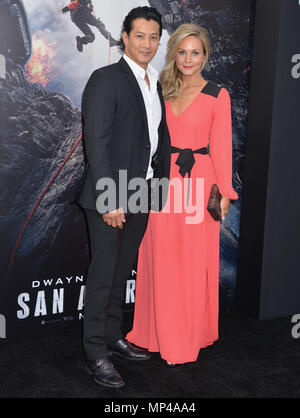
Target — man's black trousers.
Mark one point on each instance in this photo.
(114, 253)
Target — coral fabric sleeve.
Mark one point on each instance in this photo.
(221, 145)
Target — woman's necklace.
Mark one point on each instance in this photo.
(183, 96)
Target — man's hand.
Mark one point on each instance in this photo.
(225, 205)
(115, 218)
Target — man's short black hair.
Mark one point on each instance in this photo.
(145, 12)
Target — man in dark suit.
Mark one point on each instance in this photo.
(125, 131)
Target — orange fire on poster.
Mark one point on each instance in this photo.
(40, 66)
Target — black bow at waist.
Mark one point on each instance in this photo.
(186, 160)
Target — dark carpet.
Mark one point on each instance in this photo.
(252, 359)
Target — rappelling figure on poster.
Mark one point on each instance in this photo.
(83, 15)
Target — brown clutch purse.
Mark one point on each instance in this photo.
(214, 203)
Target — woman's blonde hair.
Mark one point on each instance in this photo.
(171, 77)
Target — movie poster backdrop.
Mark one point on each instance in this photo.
(44, 253)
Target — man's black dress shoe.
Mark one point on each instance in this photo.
(124, 349)
(104, 373)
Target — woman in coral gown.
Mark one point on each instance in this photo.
(176, 308)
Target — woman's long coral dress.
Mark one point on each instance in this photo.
(177, 299)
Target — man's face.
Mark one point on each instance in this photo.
(142, 43)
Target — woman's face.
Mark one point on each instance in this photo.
(190, 56)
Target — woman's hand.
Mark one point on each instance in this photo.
(225, 205)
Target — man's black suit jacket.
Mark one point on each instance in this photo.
(115, 129)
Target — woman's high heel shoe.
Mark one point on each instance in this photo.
(172, 365)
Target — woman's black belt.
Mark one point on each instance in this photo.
(186, 160)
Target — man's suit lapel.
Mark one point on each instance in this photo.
(136, 88)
